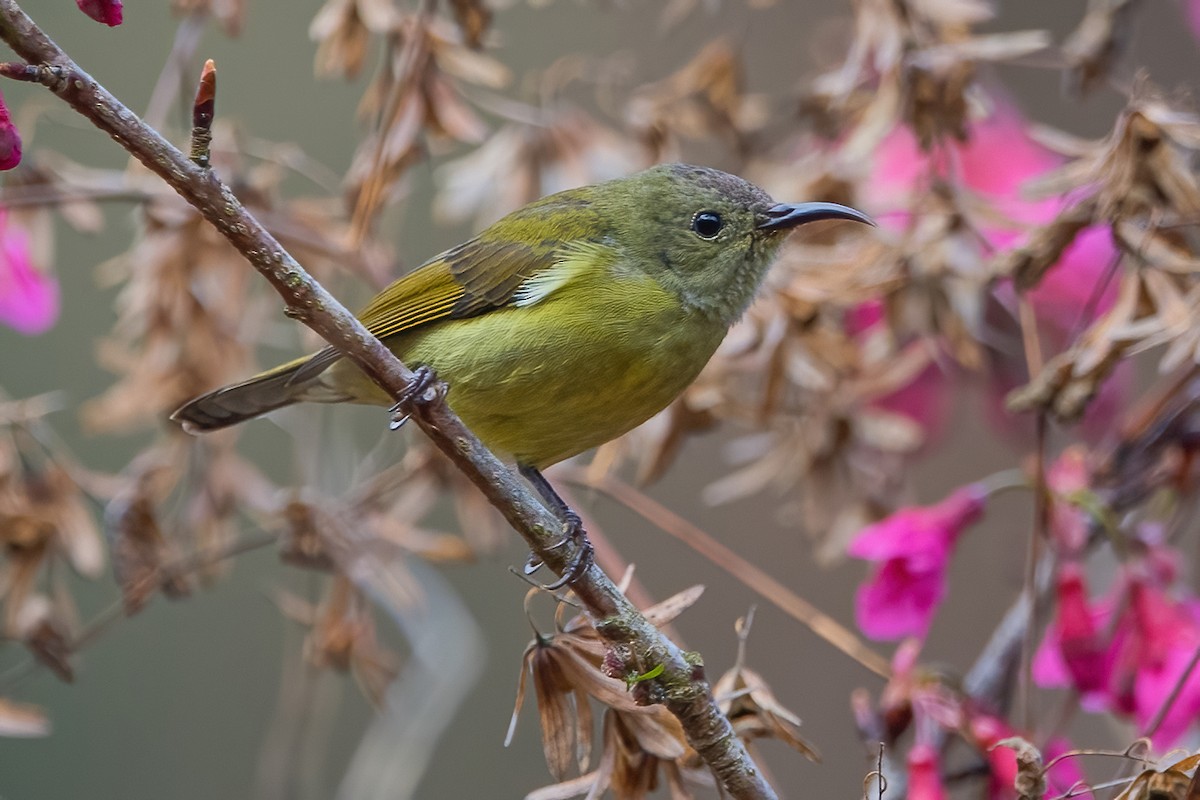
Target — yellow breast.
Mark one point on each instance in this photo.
(546, 381)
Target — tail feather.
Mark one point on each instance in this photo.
(251, 398)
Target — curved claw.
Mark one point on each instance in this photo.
(579, 562)
(572, 531)
(577, 566)
(423, 378)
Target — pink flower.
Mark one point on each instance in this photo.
(1137, 670)
(1168, 634)
(10, 139)
(109, 12)
(912, 548)
(1073, 652)
(924, 773)
(996, 161)
(28, 298)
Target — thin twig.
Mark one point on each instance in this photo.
(683, 686)
(115, 612)
(1038, 532)
(368, 201)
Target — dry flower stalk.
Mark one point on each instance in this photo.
(413, 100)
(1140, 182)
(639, 744)
(45, 522)
(748, 701)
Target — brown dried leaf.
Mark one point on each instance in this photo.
(44, 633)
(913, 62)
(990, 47)
(1027, 264)
(1061, 389)
(1156, 248)
(140, 552)
(342, 30)
(343, 637)
(301, 544)
(665, 612)
(705, 98)
(554, 697)
(1172, 783)
(26, 544)
(525, 160)
(583, 729)
(185, 318)
(1143, 169)
(413, 96)
(1030, 782)
(747, 700)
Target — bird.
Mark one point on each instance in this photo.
(566, 323)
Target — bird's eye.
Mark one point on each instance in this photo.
(707, 224)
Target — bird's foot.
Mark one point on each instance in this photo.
(423, 378)
(580, 561)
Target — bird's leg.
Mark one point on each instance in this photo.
(574, 529)
(423, 378)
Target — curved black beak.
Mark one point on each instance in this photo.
(784, 216)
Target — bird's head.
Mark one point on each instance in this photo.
(704, 234)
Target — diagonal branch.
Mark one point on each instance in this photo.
(682, 686)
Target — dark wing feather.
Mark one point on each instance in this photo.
(476, 277)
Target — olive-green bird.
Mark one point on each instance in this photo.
(566, 323)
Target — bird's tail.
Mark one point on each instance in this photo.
(267, 391)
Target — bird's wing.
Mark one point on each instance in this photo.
(473, 278)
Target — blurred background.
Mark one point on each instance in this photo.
(198, 698)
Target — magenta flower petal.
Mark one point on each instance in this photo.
(1083, 652)
(29, 301)
(912, 549)
(1003, 133)
(1065, 291)
(10, 139)
(1067, 478)
(924, 778)
(1048, 668)
(897, 602)
(1168, 636)
(918, 530)
(109, 12)
(1153, 688)
(987, 731)
(996, 161)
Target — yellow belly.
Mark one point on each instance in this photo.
(542, 383)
